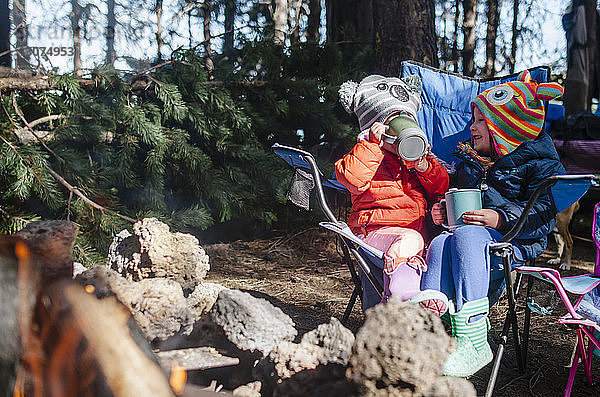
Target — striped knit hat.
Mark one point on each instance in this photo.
(514, 111)
(376, 98)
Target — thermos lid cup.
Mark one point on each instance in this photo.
(409, 140)
(459, 201)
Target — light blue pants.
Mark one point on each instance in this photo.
(460, 265)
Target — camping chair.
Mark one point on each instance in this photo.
(306, 181)
(564, 190)
(583, 316)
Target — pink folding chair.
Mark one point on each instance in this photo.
(583, 316)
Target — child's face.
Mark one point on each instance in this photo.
(480, 134)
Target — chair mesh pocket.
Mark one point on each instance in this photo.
(300, 189)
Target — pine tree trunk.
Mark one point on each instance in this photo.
(4, 34)
(314, 21)
(468, 53)
(21, 33)
(75, 17)
(515, 36)
(355, 16)
(207, 38)
(230, 9)
(404, 32)
(493, 18)
(159, 41)
(455, 36)
(294, 21)
(110, 33)
(280, 20)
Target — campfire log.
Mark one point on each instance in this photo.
(66, 341)
(88, 348)
(51, 242)
(197, 358)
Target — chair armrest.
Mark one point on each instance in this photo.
(547, 184)
(343, 230)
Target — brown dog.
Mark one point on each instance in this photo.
(564, 240)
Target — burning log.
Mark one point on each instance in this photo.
(84, 347)
(56, 336)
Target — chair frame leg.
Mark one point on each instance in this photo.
(527, 323)
(572, 372)
(510, 322)
(357, 291)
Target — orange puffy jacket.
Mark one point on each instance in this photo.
(384, 191)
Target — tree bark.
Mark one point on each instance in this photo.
(159, 41)
(294, 22)
(314, 21)
(455, 36)
(75, 17)
(515, 36)
(111, 55)
(404, 32)
(5, 59)
(230, 9)
(468, 53)
(207, 49)
(21, 33)
(493, 18)
(280, 21)
(350, 20)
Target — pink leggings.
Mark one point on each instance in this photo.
(399, 244)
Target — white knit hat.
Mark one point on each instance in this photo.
(376, 98)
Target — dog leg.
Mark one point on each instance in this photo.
(560, 244)
(563, 238)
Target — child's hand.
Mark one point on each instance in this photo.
(375, 132)
(422, 165)
(484, 217)
(438, 214)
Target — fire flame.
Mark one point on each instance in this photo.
(178, 378)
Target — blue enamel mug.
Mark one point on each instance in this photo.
(459, 201)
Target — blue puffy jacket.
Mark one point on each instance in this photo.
(511, 181)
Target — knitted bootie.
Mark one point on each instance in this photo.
(473, 352)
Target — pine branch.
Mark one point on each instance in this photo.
(70, 187)
(89, 202)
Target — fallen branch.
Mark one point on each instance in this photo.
(56, 176)
(30, 128)
(89, 202)
(12, 80)
(45, 119)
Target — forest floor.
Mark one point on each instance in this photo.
(302, 273)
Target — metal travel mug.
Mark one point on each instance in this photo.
(459, 201)
(405, 138)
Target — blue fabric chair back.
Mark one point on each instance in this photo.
(293, 158)
(567, 191)
(446, 112)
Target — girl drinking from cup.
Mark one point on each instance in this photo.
(508, 157)
(390, 184)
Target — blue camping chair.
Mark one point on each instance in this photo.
(306, 180)
(445, 117)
